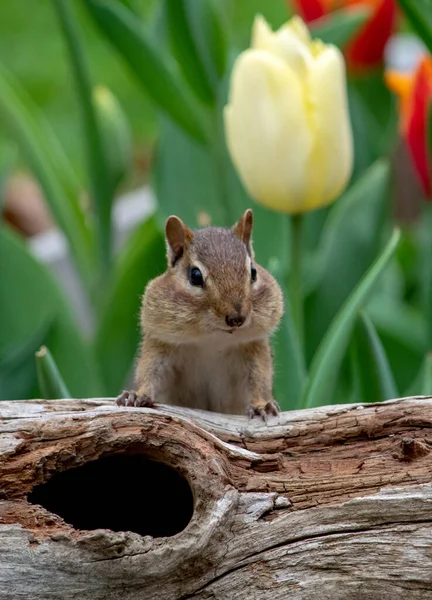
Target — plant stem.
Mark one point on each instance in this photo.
(295, 276)
(220, 167)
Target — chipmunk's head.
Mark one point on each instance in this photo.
(212, 286)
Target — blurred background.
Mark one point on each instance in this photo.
(111, 118)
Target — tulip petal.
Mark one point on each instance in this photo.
(296, 27)
(367, 48)
(310, 10)
(262, 34)
(417, 124)
(332, 158)
(267, 130)
(290, 43)
(402, 84)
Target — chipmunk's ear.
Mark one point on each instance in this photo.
(178, 235)
(243, 229)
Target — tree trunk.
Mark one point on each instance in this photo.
(100, 502)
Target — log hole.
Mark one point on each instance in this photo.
(121, 493)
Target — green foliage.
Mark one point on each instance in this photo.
(402, 330)
(50, 381)
(328, 358)
(241, 13)
(374, 120)
(372, 373)
(186, 51)
(419, 13)
(181, 56)
(38, 62)
(117, 336)
(349, 242)
(153, 70)
(45, 157)
(97, 163)
(339, 27)
(426, 380)
(208, 23)
(423, 273)
(17, 367)
(33, 311)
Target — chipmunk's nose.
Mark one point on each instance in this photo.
(234, 320)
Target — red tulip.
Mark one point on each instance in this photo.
(367, 48)
(310, 10)
(415, 94)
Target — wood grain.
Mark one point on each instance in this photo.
(334, 502)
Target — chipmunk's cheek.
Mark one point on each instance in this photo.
(209, 321)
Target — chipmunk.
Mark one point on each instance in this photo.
(206, 324)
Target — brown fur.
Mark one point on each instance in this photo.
(188, 355)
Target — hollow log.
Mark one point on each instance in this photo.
(99, 502)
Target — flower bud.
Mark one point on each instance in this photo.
(115, 133)
(287, 123)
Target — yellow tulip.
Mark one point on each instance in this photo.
(287, 123)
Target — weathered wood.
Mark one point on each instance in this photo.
(334, 502)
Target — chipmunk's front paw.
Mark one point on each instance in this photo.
(127, 398)
(263, 409)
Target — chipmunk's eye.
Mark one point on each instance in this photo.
(195, 277)
(253, 273)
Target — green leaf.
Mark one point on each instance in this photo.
(44, 156)
(374, 120)
(419, 13)
(339, 27)
(185, 178)
(130, 4)
(422, 383)
(289, 368)
(426, 389)
(399, 319)
(50, 381)
(423, 238)
(97, 164)
(7, 164)
(350, 241)
(327, 360)
(31, 304)
(153, 71)
(117, 337)
(429, 136)
(209, 24)
(403, 333)
(185, 50)
(288, 361)
(17, 366)
(363, 128)
(370, 364)
(241, 13)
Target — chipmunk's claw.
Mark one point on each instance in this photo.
(128, 398)
(263, 410)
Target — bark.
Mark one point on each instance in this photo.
(334, 502)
